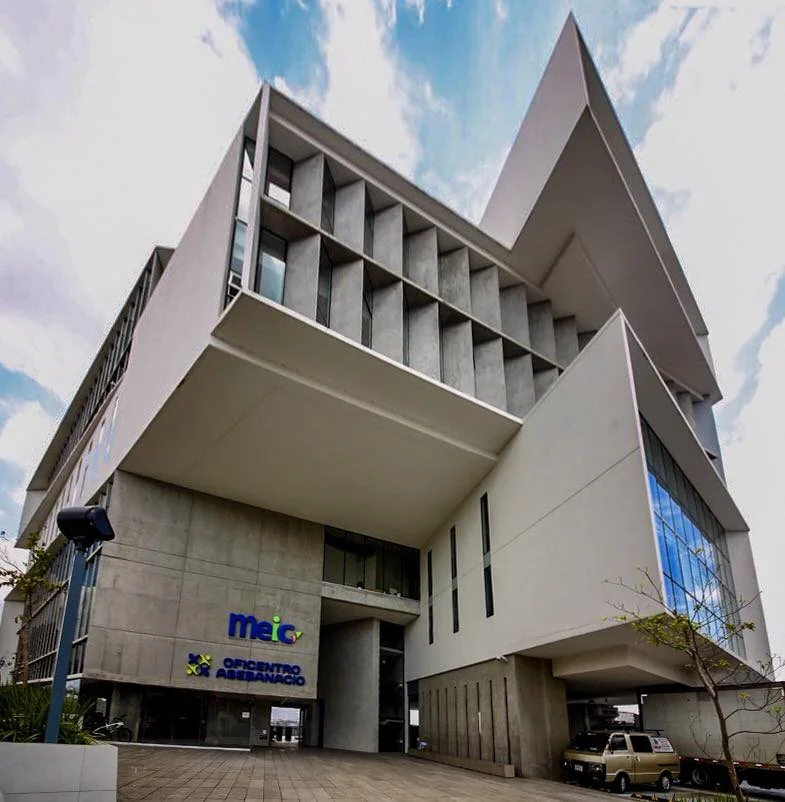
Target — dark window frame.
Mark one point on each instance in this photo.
(486, 555)
(429, 559)
(454, 579)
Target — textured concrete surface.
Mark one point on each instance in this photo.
(280, 774)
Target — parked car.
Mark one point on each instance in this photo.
(620, 759)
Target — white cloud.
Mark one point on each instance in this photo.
(368, 93)
(109, 145)
(25, 434)
(716, 140)
(500, 9)
(10, 59)
(11, 221)
(468, 192)
(755, 479)
(642, 49)
(418, 6)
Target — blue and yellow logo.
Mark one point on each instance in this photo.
(198, 665)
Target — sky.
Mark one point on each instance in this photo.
(114, 116)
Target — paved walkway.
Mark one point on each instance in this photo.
(155, 774)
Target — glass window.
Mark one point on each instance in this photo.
(430, 597)
(692, 546)
(244, 201)
(367, 319)
(641, 743)
(324, 289)
(368, 234)
(486, 554)
(454, 577)
(249, 151)
(328, 200)
(618, 743)
(278, 184)
(271, 269)
(405, 348)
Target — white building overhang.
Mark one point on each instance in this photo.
(571, 175)
(281, 413)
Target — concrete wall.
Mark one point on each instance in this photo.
(58, 772)
(515, 314)
(457, 357)
(489, 373)
(307, 182)
(350, 214)
(424, 340)
(349, 685)
(182, 311)
(182, 561)
(454, 280)
(301, 282)
(504, 711)
(422, 259)
(568, 509)
(387, 322)
(346, 300)
(690, 721)
(486, 304)
(388, 238)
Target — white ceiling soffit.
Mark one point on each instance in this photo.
(570, 172)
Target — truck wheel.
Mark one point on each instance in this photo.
(665, 782)
(621, 784)
(700, 777)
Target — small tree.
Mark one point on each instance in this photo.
(30, 581)
(681, 627)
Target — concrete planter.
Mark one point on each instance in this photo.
(58, 772)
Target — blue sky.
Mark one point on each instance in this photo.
(114, 116)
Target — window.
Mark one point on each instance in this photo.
(324, 288)
(405, 331)
(242, 215)
(641, 743)
(697, 576)
(486, 555)
(272, 266)
(430, 597)
(368, 235)
(278, 184)
(618, 743)
(454, 575)
(328, 200)
(367, 323)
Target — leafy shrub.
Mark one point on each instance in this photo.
(23, 710)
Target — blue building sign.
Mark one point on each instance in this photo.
(246, 626)
(238, 668)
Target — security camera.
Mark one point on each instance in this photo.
(84, 526)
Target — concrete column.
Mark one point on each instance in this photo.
(566, 334)
(515, 314)
(458, 357)
(387, 333)
(684, 400)
(346, 300)
(424, 349)
(462, 723)
(489, 373)
(486, 304)
(388, 238)
(543, 379)
(519, 383)
(257, 187)
(584, 338)
(422, 259)
(541, 332)
(349, 685)
(706, 429)
(301, 281)
(350, 215)
(307, 183)
(454, 278)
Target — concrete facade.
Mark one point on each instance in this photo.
(488, 404)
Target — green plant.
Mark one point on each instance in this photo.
(23, 710)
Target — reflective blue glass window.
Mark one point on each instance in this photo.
(697, 579)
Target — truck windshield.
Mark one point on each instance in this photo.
(589, 742)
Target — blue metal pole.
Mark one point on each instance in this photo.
(64, 647)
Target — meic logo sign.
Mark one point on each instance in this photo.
(198, 665)
(246, 626)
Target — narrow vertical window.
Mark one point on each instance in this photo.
(454, 576)
(367, 319)
(271, 269)
(486, 555)
(324, 288)
(368, 236)
(328, 200)
(241, 217)
(405, 332)
(430, 597)
(278, 184)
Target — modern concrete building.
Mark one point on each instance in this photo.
(363, 456)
